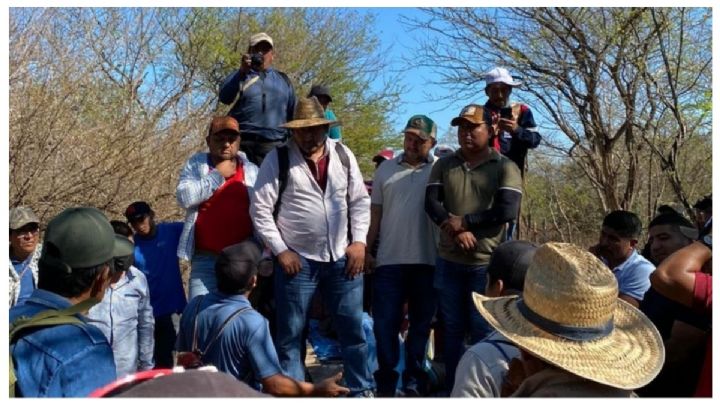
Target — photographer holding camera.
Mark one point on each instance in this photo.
(515, 128)
(264, 99)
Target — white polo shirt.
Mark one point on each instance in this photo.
(407, 235)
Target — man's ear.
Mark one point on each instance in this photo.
(633, 243)
(101, 282)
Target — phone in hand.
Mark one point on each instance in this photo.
(506, 113)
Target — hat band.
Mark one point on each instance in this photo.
(562, 330)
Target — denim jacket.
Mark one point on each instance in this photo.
(126, 318)
(59, 361)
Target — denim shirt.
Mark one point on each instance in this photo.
(59, 361)
(126, 318)
(245, 349)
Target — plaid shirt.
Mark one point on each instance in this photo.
(198, 182)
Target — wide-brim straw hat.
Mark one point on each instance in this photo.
(309, 112)
(570, 316)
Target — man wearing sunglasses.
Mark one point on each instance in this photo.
(24, 253)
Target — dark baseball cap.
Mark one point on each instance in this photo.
(137, 210)
(319, 89)
(81, 237)
(510, 261)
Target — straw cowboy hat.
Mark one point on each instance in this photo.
(308, 113)
(570, 316)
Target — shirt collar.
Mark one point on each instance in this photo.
(233, 298)
(629, 261)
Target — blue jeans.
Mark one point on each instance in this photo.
(343, 297)
(454, 284)
(393, 284)
(202, 275)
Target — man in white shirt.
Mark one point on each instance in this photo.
(311, 208)
(405, 259)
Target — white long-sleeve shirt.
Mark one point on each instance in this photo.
(311, 222)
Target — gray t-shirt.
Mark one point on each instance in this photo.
(407, 235)
(482, 368)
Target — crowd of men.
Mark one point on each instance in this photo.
(277, 211)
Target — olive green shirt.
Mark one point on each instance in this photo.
(473, 190)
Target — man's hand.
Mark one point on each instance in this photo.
(330, 388)
(355, 259)
(466, 240)
(369, 263)
(452, 225)
(508, 125)
(227, 168)
(290, 262)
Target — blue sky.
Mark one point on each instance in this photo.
(416, 101)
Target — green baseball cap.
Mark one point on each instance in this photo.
(81, 237)
(421, 126)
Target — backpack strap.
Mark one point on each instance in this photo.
(45, 318)
(345, 160)
(195, 316)
(496, 343)
(283, 168)
(222, 328)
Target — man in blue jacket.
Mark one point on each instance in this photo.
(263, 99)
(67, 360)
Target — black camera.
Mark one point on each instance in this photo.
(256, 61)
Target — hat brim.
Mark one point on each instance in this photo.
(123, 247)
(417, 132)
(511, 83)
(458, 119)
(308, 123)
(629, 358)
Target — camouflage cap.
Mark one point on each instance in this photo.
(80, 237)
(20, 216)
(472, 113)
(421, 126)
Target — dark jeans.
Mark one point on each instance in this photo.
(454, 284)
(256, 149)
(164, 342)
(343, 297)
(393, 284)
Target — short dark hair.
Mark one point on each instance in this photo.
(235, 267)
(675, 219)
(509, 263)
(626, 224)
(121, 228)
(69, 284)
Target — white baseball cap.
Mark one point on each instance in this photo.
(260, 37)
(500, 75)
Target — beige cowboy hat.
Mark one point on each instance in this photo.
(570, 316)
(309, 112)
